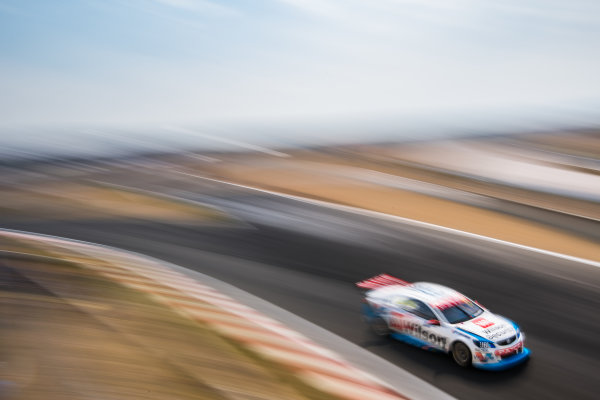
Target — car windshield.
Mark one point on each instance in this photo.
(461, 312)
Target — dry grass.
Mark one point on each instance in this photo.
(74, 333)
(78, 201)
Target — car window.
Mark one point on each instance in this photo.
(416, 307)
(403, 302)
(462, 312)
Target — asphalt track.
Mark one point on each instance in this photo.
(305, 258)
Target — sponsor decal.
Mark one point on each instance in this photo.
(399, 323)
(484, 345)
(498, 334)
(461, 334)
(495, 328)
(509, 350)
(484, 357)
(482, 322)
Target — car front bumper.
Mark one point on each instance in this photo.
(507, 363)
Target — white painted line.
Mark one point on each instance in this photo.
(404, 220)
(32, 255)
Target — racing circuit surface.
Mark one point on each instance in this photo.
(306, 258)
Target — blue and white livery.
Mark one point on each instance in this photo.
(437, 318)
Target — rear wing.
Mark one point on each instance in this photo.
(380, 281)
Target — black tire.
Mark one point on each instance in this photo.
(461, 354)
(379, 326)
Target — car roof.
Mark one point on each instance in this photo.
(431, 293)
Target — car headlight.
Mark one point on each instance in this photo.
(484, 344)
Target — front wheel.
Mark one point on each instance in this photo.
(461, 354)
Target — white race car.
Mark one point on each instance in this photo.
(435, 317)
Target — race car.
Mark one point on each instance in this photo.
(437, 318)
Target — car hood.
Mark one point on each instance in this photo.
(490, 326)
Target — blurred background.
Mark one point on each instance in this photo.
(288, 145)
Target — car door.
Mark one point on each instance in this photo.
(400, 321)
(426, 327)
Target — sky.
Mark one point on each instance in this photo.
(185, 62)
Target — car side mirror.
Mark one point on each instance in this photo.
(433, 322)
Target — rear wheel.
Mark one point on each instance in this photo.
(379, 326)
(461, 354)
